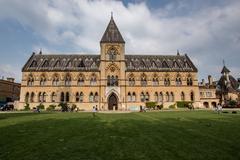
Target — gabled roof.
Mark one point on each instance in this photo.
(225, 70)
(112, 34)
(164, 63)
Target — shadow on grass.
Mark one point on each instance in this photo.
(120, 137)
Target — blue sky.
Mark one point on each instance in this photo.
(208, 31)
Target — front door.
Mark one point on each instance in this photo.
(112, 102)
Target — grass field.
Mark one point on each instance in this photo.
(136, 136)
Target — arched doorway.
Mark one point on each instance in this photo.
(206, 104)
(214, 104)
(112, 102)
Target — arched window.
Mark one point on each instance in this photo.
(182, 96)
(32, 97)
(147, 97)
(142, 96)
(93, 80)
(143, 81)
(80, 81)
(96, 97)
(43, 81)
(55, 81)
(44, 96)
(189, 81)
(54, 97)
(30, 81)
(62, 98)
(68, 80)
(129, 97)
(178, 81)
(67, 97)
(171, 97)
(108, 80)
(160, 97)
(192, 96)
(112, 54)
(81, 97)
(155, 81)
(156, 97)
(134, 97)
(91, 97)
(40, 97)
(166, 81)
(77, 97)
(167, 97)
(131, 81)
(27, 97)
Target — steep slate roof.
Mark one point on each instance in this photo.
(40, 62)
(112, 34)
(167, 63)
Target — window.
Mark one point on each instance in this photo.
(178, 81)
(77, 97)
(27, 97)
(202, 94)
(131, 81)
(80, 81)
(112, 54)
(67, 97)
(166, 81)
(32, 97)
(160, 97)
(30, 81)
(112, 80)
(142, 96)
(68, 80)
(44, 96)
(167, 97)
(189, 81)
(129, 97)
(55, 81)
(147, 97)
(81, 97)
(155, 82)
(171, 97)
(192, 96)
(209, 94)
(91, 97)
(62, 98)
(43, 81)
(156, 97)
(143, 81)
(182, 96)
(93, 80)
(54, 97)
(96, 97)
(134, 97)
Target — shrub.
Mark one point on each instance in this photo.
(74, 106)
(51, 107)
(150, 104)
(232, 103)
(64, 107)
(41, 106)
(26, 107)
(183, 104)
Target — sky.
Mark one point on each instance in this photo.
(207, 31)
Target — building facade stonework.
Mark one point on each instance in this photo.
(111, 80)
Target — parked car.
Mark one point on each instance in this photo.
(7, 107)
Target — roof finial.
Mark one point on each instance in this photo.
(223, 62)
(178, 52)
(40, 51)
(111, 14)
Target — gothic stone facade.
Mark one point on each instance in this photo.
(111, 80)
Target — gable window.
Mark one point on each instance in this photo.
(112, 54)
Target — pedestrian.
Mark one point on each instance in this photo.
(94, 111)
(219, 108)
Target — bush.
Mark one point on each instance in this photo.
(64, 107)
(232, 103)
(183, 104)
(51, 107)
(40, 106)
(26, 107)
(74, 106)
(150, 104)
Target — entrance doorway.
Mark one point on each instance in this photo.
(112, 102)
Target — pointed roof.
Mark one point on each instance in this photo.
(112, 34)
(225, 70)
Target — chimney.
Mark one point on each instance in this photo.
(210, 80)
(10, 79)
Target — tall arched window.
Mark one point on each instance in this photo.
(54, 97)
(167, 97)
(80, 81)
(147, 97)
(134, 97)
(131, 81)
(32, 97)
(62, 98)
(55, 81)
(112, 54)
(192, 96)
(96, 97)
(182, 96)
(189, 81)
(40, 97)
(30, 81)
(166, 81)
(91, 97)
(81, 97)
(27, 97)
(93, 80)
(44, 96)
(67, 97)
(178, 81)
(43, 81)
(129, 97)
(77, 97)
(143, 81)
(142, 96)
(68, 80)
(160, 97)
(155, 81)
(171, 97)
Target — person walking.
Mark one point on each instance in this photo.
(94, 111)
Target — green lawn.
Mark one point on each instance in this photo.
(156, 135)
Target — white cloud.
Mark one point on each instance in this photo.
(208, 35)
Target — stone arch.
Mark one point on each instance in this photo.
(113, 101)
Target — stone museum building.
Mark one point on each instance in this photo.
(110, 80)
